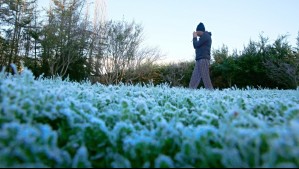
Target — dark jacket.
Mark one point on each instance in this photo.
(203, 46)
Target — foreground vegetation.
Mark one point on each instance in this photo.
(59, 123)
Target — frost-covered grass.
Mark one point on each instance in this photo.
(56, 123)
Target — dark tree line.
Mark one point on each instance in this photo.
(259, 65)
(67, 43)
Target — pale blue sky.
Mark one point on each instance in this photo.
(168, 24)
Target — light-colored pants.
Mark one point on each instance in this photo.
(201, 71)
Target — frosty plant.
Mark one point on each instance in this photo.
(58, 123)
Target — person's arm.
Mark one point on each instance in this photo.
(202, 40)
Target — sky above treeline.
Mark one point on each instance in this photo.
(169, 24)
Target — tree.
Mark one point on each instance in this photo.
(123, 40)
(144, 68)
(32, 44)
(15, 18)
(283, 64)
(4, 46)
(260, 64)
(219, 55)
(224, 68)
(65, 39)
(285, 74)
(118, 52)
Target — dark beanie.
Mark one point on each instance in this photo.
(200, 27)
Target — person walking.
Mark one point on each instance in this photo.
(202, 48)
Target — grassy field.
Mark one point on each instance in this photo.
(58, 123)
